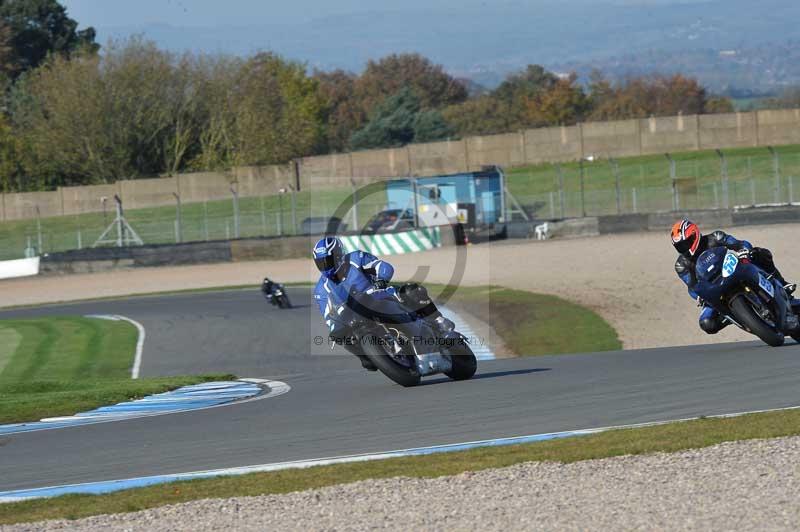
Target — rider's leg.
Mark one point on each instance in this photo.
(762, 257)
(711, 321)
(344, 337)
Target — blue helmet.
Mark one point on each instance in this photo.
(328, 254)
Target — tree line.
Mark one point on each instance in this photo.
(77, 114)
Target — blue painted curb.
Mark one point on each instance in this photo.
(195, 397)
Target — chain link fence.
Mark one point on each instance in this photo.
(607, 187)
(287, 214)
(754, 177)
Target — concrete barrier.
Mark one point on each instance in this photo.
(438, 158)
(737, 130)
(705, 218)
(78, 200)
(203, 186)
(23, 205)
(669, 134)
(545, 145)
(553, 145)
(507, 150)
(141, 193)
(290, 247)
(274, 248)
(766, 215)
(777, 127)
(625, 223)
(9, 269)
(612, 139)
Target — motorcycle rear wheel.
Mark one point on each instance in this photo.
(283, 302)
(744, 314)
(375, 349)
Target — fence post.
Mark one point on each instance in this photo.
(723, 168)
(676, 202)
(355, 204)
(178, 224)
(80, 241)
(615, 170)
(263, 218)
(791, 190)
(552, 206)
(716, 197)
(753, 192)
(294, 212)
(776, 169)
(39, 230)
(281, 192)
(583, 194)
(633, 200)
(205, 219)
(561, 190)
(235, 213)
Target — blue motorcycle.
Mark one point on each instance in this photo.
(403, 350)
(746, 296)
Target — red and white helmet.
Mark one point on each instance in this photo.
(686, 237)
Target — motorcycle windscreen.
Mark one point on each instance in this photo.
(709, 265)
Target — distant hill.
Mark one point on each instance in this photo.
(484, 41)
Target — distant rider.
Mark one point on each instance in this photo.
(690, 244)
(363, 274)
(266, 288)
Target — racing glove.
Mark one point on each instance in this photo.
(743, 254)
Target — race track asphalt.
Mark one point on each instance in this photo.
(335, 408)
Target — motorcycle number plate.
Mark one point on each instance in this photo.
(766, 285)
(729, 264)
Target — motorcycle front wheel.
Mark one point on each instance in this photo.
(377, 350)
(745, 314)
(464, 362)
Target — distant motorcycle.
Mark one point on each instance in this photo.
(746, 296)
(275, 293)
(406, 352)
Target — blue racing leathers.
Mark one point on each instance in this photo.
(358, 274)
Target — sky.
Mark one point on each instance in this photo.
(204, 13)
(479, 39)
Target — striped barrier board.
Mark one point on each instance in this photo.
(395, 243)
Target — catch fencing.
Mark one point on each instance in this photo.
(291, 213)
(605, 187)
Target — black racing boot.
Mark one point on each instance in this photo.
(790, 288)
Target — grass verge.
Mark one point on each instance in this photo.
(68, 364)
(536, 324)
(664, 438)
